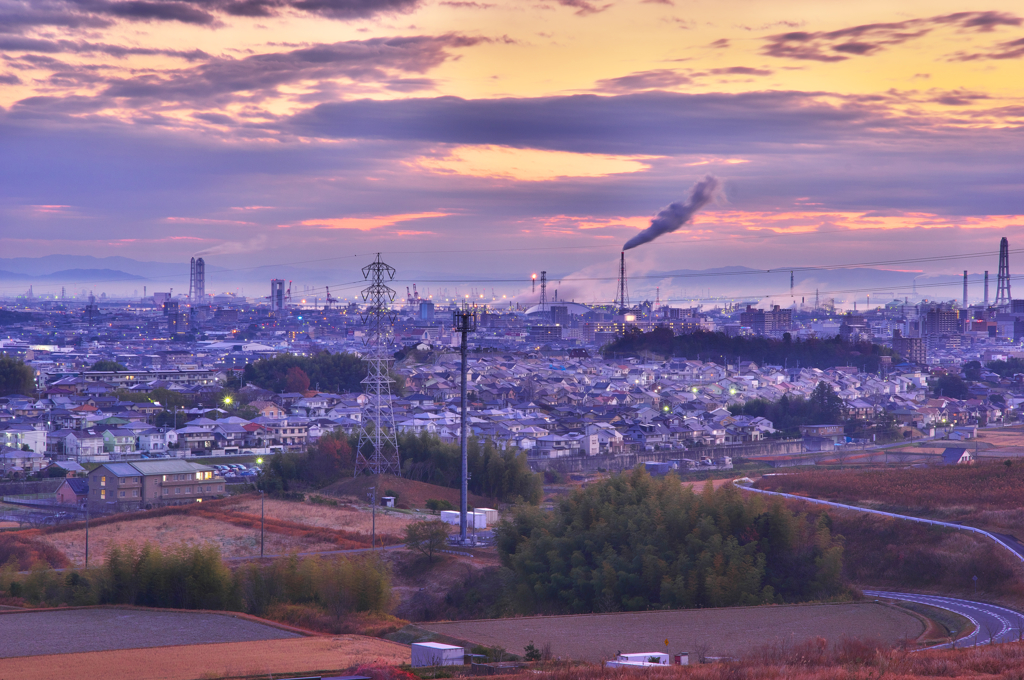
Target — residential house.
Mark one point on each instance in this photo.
(118, 441)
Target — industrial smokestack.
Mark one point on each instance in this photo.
(677, 214)
(965, 289)
(986, 290)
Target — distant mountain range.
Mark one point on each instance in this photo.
(74, 276)
(125, 276)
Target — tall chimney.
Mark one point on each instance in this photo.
(965, 289)
(986, 290)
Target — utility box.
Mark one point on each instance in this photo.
(491, 514)
(474, 520)
(387, 501)
(681, 659)
(436, 654)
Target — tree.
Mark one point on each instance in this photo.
(107, 365)
(296, 380)
(972, 370)
(15, 377)
(827, 404)
(427, 537)
(952, 386)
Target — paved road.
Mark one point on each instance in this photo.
(991, 622)
(1008, 542)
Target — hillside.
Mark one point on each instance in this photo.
(410, 493)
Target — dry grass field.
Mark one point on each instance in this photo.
(299, 656)
(726, 632)
(344, 517)
(988, 495)
(233, 524)
(233, 541)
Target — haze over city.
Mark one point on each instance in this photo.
(482, 142)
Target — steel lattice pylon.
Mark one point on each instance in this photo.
(378, 442)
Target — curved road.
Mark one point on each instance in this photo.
(1008, 542)
(992, 623)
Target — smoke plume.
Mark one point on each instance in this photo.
(677, 214)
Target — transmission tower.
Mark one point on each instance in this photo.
(622, 295)
(378, 431)
(543, 291)
(1003, 286)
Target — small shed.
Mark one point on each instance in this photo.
(73, 491)
(957, 456)
(436, 654)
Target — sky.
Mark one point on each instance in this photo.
(476, 142)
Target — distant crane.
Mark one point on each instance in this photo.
(330, 300)
(288, 293)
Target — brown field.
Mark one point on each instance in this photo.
(988, 495)
(727, 632)
(233, 524)
(299, 656)
(1009, 440)
(232, 540)
(345, 517)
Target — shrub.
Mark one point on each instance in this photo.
(437, 505)
(427, 537)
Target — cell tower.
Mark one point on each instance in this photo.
(1003, 285)
(622, 295)
(464, 322)
(378, 431)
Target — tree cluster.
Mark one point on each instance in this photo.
(787, 414)
(328, 372)
(1008, 368)
(324, 462)
(721, 348)
(15, 377)
(504, 475)
(633, 543)
(501, 474)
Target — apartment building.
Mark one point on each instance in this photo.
(150, 484)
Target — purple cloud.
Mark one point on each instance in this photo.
(658, 79)
(867, 39)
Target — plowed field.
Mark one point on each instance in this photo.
(725, 632)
